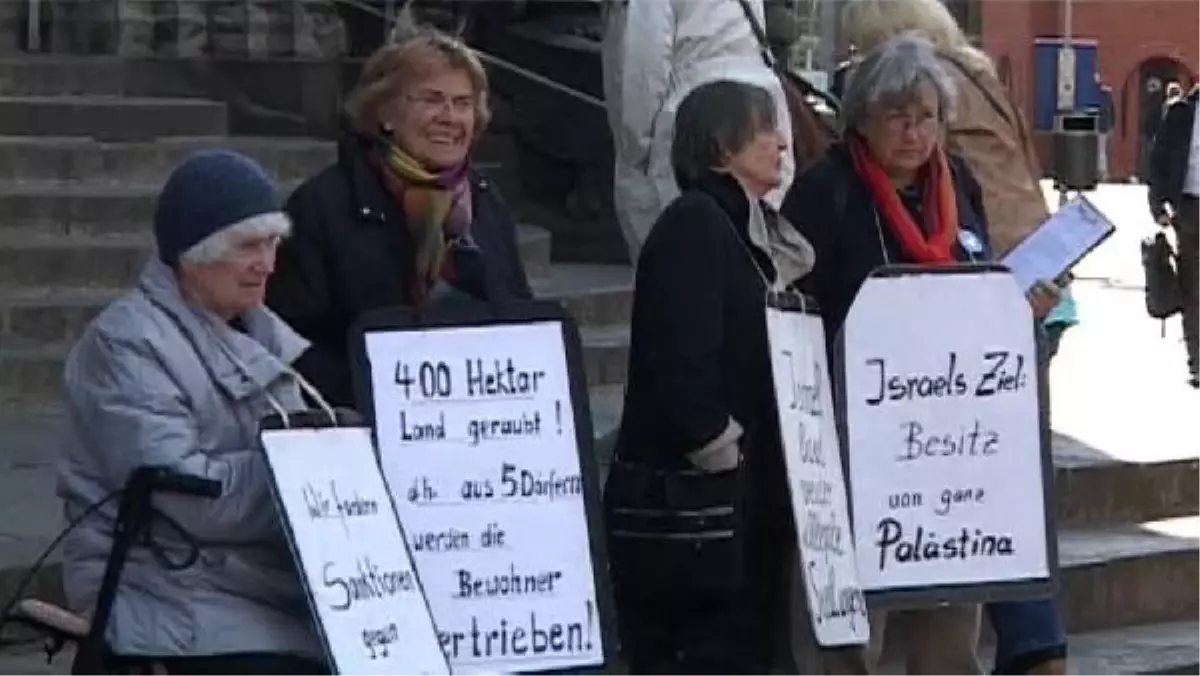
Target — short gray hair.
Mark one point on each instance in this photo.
(218, 246)
(890, 75)
(713, 121)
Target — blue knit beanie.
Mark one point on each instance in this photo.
(208, 192)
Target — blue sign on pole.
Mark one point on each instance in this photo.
(1087, 93)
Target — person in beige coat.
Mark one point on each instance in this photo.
(991, 134)
(655, 52)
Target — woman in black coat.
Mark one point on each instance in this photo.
(890, 195)
(400, 219)
(700, 400)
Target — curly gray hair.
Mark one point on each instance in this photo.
(890, 75)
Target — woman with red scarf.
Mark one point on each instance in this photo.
(400, 219)
(891, 195)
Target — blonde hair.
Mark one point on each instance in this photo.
(416, 53)
(869, 23)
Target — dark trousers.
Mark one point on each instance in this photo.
(237, 663)
(1187, 233)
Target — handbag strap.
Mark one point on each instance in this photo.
(760, 34)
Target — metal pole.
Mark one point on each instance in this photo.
(33, 27)
(1067, 27)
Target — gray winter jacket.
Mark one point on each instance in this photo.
(156, 380)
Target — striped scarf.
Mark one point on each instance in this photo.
(437, 208)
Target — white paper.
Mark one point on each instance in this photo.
(492, 495)
(818, 490)
(1056, 245)
(351, 551)
(948, 461)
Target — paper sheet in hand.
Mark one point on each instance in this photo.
(1059, 243)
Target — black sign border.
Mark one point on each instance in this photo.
(311, 419)
(916, 597)
(470, 314)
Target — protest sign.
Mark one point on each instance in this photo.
(811, 451)
(485, 438)
(947, 437)
(356, 567)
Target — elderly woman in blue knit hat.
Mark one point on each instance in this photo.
(177, 373)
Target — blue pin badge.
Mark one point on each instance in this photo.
(970, 242)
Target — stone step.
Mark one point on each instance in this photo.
(147, 163)
(38, 324)
(595, 295)
(1167, 648)
(110, 117)
(1162, 648)
(56, 75)
(79, 209)
(1097, 493)
(34, 255)
(30, 373)
(1095, 488)
(1129, 575)
(1126, 595)
(34, 261)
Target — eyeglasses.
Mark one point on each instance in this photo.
(900, 121)
(436, 101)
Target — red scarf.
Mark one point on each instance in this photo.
(938, 206)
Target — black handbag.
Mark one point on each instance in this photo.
(675, 531)
(1164, 296)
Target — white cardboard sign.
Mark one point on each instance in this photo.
(811, 450)
(944, 434)
(361, 581)
(477, 439)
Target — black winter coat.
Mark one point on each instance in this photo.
(351, 252)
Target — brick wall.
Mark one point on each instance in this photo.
(1128, 31)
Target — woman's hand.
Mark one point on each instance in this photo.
(717, 458)
(1043, 297)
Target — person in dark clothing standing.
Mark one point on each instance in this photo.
(401, 219)
(1174, 190)
(842, 72)
(1153, 107)
(700, 403)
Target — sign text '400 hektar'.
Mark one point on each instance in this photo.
(435, 383)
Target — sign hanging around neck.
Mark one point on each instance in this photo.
(484, 434)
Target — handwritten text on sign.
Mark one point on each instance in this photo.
(814, 466)
(477, 438)
(351, 549)
(943, 430)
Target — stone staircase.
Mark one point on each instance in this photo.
(79, 168)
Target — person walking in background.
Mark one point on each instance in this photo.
(654, 53)
(1153, 99)
(1174, 191)
(1174, 93)
(842, 71)
(988, 131)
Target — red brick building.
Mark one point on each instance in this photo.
(1142, 44)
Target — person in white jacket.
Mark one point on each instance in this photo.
(654, 53)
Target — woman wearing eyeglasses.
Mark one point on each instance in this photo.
(401, 218)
